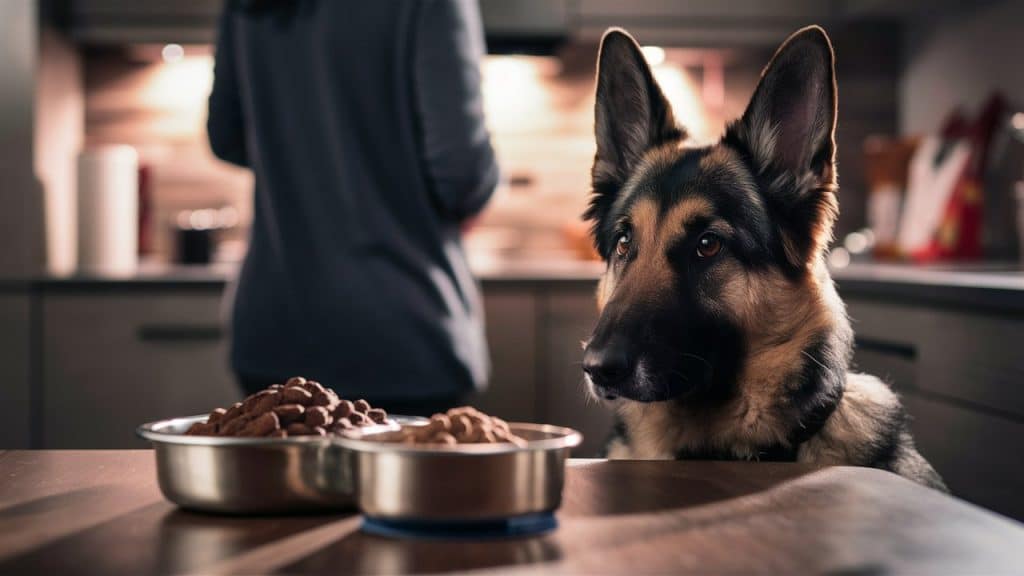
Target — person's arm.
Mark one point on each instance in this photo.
(225, 124)
(460, 162)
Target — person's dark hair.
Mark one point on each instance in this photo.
(281, 9)
(253, 6)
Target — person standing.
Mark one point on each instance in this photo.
(362, 123)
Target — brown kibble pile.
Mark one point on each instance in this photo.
(299, 407)
(464, 425)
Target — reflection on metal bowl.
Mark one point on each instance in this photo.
(250, 475)
(466, 482)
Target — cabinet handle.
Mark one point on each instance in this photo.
(907, 351)
(180, 333)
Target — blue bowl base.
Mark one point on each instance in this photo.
(515, 526)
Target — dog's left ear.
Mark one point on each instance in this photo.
(788, 131)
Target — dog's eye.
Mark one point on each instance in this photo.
(622, 244)
(708, 245)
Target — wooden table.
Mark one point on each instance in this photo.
(100, 512)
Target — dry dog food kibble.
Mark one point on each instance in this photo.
(299, 407)
(465, 425)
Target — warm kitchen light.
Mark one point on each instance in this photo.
(839, 258)
(655, 55)
(684, 94)
(172, 53)
(515, 98)
(856, 243)
(1018, 121)
(186, 84)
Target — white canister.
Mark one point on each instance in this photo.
(108, 210)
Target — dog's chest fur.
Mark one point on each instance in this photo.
(666, 430)
(853, 434)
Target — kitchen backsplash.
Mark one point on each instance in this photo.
(132, 97)
(539, 109)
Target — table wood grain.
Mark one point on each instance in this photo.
(101, 512)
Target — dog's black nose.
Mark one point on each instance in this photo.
(607, 366)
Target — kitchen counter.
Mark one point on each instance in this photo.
(986, 286)
(100, 512)
(1000, 279)
(217, 275)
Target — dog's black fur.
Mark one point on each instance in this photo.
(721, 334)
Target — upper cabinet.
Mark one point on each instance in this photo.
(148, 22)
(531, 26)
(703, 22)
(525, 25)
(737, 23)
(520, 25)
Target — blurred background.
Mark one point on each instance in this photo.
(119, 231)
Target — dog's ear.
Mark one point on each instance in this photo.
(631, 116)
(788, 132)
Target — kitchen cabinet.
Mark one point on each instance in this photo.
(570, 315)
(744, 23)
(694, 22)
(15, 338)
(958, 369)
(977, 453)
(115, 354)
(195, 21)
(705, 10)
(511, 317)
(526, 18)
(964, 355)
(535, 330)
(116, 358)
(153, 21)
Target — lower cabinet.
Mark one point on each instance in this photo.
(534, 330)
(118, 358)
(511, 320)
(15, 339)
(569, 317)
(112, 358)
(959, 372)
(977, 453)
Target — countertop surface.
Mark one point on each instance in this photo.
(998, 286)
(216, 275)
(995, 276)
(101, 512)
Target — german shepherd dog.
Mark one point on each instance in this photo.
(721, 335)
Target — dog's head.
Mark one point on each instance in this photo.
(712, 253)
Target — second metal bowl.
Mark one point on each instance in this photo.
(468, 482)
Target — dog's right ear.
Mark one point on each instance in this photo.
(631, 116)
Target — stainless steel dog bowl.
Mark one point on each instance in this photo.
(251, 475)
(467, 482)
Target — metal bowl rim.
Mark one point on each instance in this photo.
(150, 431)
(563, 438)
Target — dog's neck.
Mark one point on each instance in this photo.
(797, 357)
(790, 382)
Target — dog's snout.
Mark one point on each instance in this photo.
(608, 366)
